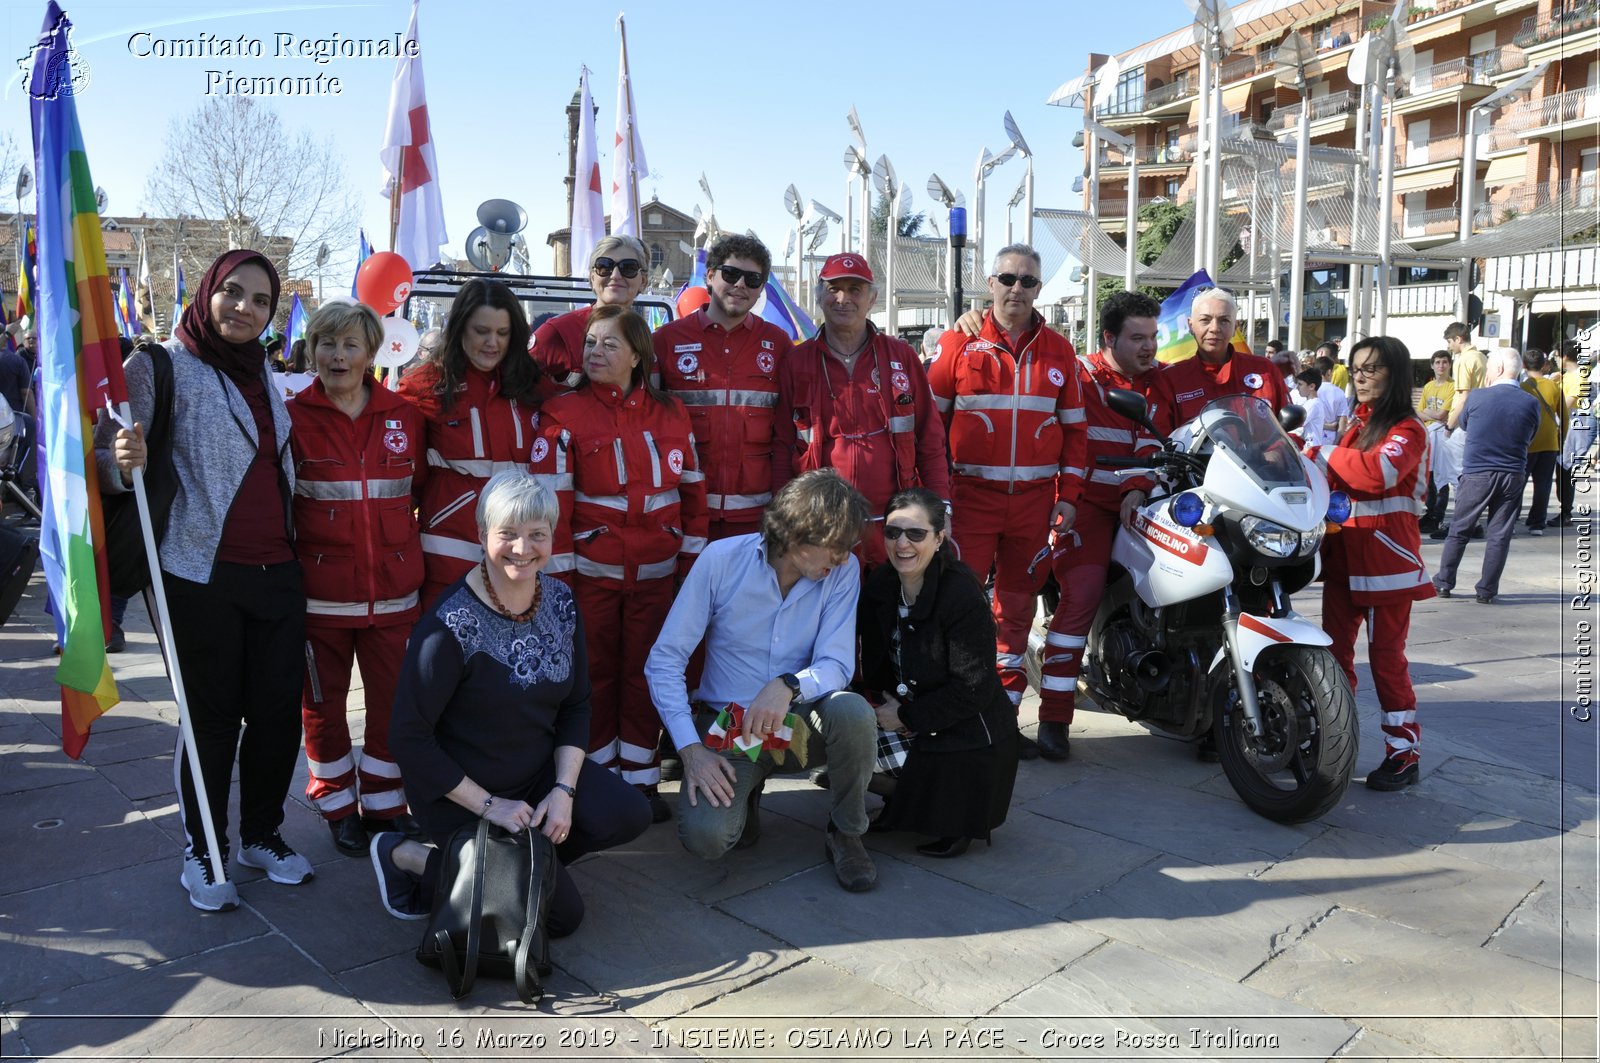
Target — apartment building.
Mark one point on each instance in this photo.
(1536, 155)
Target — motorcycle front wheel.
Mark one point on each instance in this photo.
(1300, 764)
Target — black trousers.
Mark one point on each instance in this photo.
(607, 812)
(240, 641)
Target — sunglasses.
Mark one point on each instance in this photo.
(628, 267)
(892, 532)
(1028, 281)
(733, 274)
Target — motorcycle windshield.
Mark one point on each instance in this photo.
(1243, 429)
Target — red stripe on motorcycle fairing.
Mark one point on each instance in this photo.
(1192, 551)
(1250, 623)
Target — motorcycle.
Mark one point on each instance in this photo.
(1195, 633)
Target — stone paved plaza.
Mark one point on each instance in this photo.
(1131, 907)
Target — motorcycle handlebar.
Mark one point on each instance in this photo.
(1125, 461)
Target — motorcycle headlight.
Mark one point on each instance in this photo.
(1309, 541)
(1268, 538)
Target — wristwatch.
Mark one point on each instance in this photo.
(568, 790)
(791, 681)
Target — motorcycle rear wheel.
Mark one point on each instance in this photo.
(1301, 763)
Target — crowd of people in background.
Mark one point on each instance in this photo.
(557, 553)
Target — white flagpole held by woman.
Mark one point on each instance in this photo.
(124, 418)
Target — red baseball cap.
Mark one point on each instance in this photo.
(846, 265)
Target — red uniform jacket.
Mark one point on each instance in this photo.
(1111, 434)
(1380, 549)
(728, 381)
(877, 426)
(624, 471)
(1015, 419)
(1193, 384)
(479, 435)
(557, 345)
(354, 525)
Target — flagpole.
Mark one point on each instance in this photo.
(394, 203)
(169, 651)
(633, 173)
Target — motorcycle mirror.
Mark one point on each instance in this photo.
(1131, 404)
(1292, 417)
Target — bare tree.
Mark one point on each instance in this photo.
(232, 176)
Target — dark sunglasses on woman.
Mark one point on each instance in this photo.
(628, 267)
(892, 532)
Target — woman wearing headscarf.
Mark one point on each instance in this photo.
(233, 584)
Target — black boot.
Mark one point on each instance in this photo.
(1053, 741)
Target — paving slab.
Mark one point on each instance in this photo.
(1121, 1002)
(75, 829)
(658, 952)
(1429, 891)
(1214, 919)
(1409, 985)
(1183, 821)
(1514, 792)
(949, 947)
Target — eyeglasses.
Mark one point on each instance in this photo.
(733, 274)
(628, 267)
(1028, 281)
(892, 532)
(1364, 371)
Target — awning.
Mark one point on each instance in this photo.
(1573, 301)
(1426, 179)
(1506, 170)
(1070, 94)
(1194, 113)
(1235, 98)
(1442, 28)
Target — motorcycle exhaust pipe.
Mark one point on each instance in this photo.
(1150, 669)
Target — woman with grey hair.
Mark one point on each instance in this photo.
(619, 268)
(491, 717)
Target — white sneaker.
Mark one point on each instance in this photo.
(281, 863)
(205, 892)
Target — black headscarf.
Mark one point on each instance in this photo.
(197, 332)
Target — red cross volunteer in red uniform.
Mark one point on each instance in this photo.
(721, 362)
(1013, 413)
(618, 270)
(358, 451)
(619, 454)
(481, 409)
(1216, 368)
(1081, 555)
(856, 400)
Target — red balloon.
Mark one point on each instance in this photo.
(691, 300)
(384, 281)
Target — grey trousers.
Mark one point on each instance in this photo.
(1501, 494)
(849, 729)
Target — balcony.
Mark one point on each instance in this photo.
(1574, 113)
(1435, 222)
(1149, 155)
(1172, 92)
(1410, 300)
(1433, 152)
(1539, 30)
(1333, 105)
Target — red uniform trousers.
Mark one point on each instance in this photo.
(1006, 530)
(335, 778)
(621, 624)
(1080, 562)
(1387, 627)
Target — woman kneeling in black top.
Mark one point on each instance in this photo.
(927, 644)
(491, 714)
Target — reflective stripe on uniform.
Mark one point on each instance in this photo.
(1008, 472)
(1039, 403)
(902, 424)
(445, 546)
(318, 607)
(482, 468)
(332, 769)
(350, 490)
(379, 768)
(738, 501)
(642, 777)
(1398, 582)
(652, 503)
(1072, 416)
(606, 753)
(654, 570)
(942, 404)
(560, 563)
(1056, 639)
(1112, 476)
(1111, 435)
(587, 567)
(1380, 506)
(383, 800)
(334, 800)
(693, 544)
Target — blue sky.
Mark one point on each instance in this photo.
(753, 99)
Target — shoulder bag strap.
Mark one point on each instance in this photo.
(480, 858)
(530, 987)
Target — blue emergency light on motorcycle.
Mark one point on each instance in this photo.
(1338, 507)
(1187, 509)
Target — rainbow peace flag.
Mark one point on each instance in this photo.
(180, 293)
(25, 272)
(127, 308)
(295, 329)
(81, 368)
(780, 309)
(363, 253)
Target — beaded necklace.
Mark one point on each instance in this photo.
(494, 599)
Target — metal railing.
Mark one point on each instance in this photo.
(1236, 70)
(1555, 110)
(1329, 106)
(1538, 29)
(1111, 108)
(1436, 221)
(1148, 155)
(1436, 149)
(1450, 74)
(1171, 92)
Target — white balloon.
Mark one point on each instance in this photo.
(399, 344)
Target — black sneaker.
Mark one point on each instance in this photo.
(1484, 599)
(1393, 774)
(1439, 533)
(1027, 748)
(118, 641)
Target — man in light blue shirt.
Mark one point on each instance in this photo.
(777, 611)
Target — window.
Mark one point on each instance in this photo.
(658, 257)
(1417, 135)
(1411, 215)
(1481, 57)
(1588, 176)
(1128, 96)
(1173, 184)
